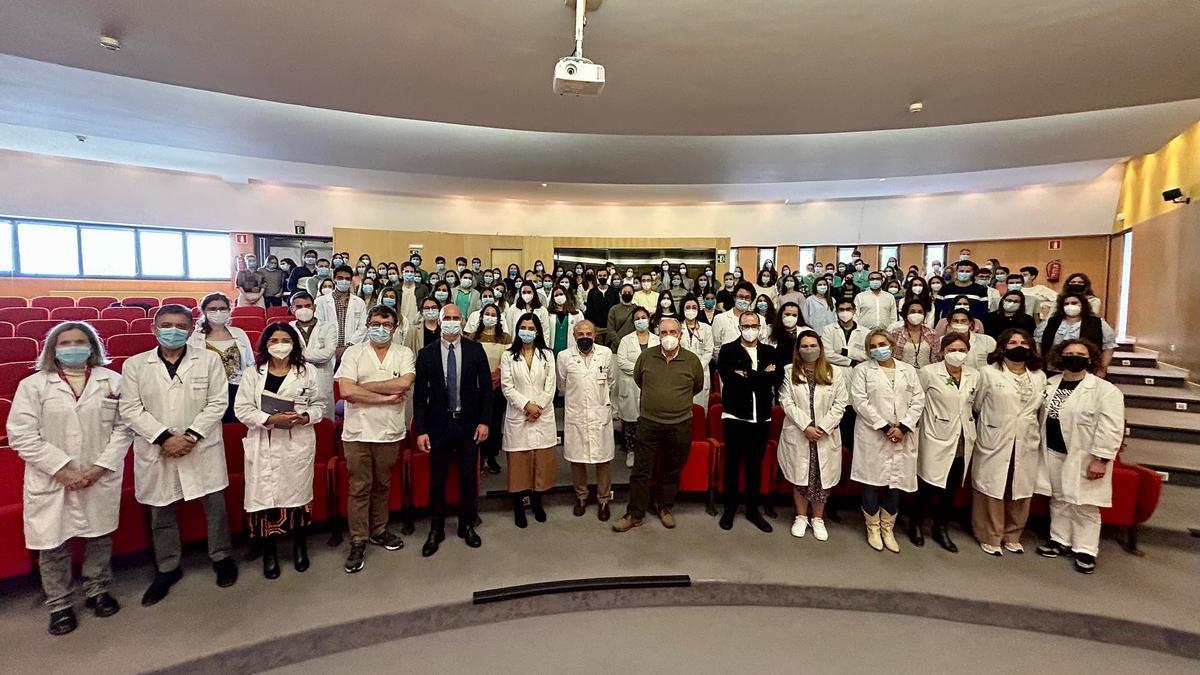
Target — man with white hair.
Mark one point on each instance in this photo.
(585, 377)
(668, 377)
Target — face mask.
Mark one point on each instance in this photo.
(737, 275)
(547, 285)
(309, 260)
(881, 354)
(379, 335)
(1075, 288)
(629, 274)
(810, 354)
(602, 281)
(916, 319)
(172, 338)
(710, 303)
(328, 290)
(960, 328)
(393, 277)
(513, 273)
(539, 268)
(845, 315)
(433, 279)
(935, 288)
(217, 317)
(364, 261)
(962, 276)
(670, 343)
(956, 359)
(73, 356)
(382, 271)
(762, 307)
(874, 284)
(272, 265)
(822, 289)
(430, 314)
(790, 321)
(640, 325)
(466, 282)
(560, 300)
(487, 279)
(476, 265)
(741, 304)
(1015, 285)
(896, 292)
(304, 314)
(372, 276)
(323, 271)
(627, 298)
(451, 327)
(1074, 363)
(985, 282)
(1010, 306)
(749, 334)
(360, 270)
(888, 273)
(917, 289)
(342, 285)
(645, 285)
(367, 289)
(1016, 353)
(526, 335)
(676, 283)
(703, 283)
(1028, 279)
(729, 283)
(416, 262)
(584, 344)
(408, 277)
(452, 280)
(789, 285)
(579, 271)
(285, 267)
(441, 267)
(388, 302)
(440, 296)
(964, 256)
(527, 297)
(489, 320)
(1072, 310)
(858, 268)
(564, 284)
(666, 268)
(665, 303)
(484, 302)
(280, 350)
(690, 314)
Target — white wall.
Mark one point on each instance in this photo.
(51, 187)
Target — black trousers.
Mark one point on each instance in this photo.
(926, 493)
(745, 444)
(492, 446)
(846, 426)
(664, 445)
(457, 444)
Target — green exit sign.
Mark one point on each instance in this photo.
(299, 225)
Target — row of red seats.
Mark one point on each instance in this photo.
(94, 301)
(20, 315)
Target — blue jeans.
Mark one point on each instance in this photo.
(871, 503)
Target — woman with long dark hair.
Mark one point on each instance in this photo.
(229, 343)
(491, 335)
(530, 432)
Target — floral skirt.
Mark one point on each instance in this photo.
(280, 521)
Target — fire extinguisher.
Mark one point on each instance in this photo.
(1053, 270)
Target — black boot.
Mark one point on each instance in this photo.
(270, 558)
(535, 505)
(519, 510)
(915, 535)
(300, 551)
(942, 536)
(62, 621)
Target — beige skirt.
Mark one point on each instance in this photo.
(531, 469)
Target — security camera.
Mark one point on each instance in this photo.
(1175, 196)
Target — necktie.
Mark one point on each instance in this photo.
(452, 378)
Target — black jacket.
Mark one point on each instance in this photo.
(598, 304)
(759, 386)
(431, 414)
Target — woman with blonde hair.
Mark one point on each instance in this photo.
(813, 396)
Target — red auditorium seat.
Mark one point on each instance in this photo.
(52, 302)
(697, 471)
(180, 300)
(140, 300)
(35, 328)
(699, 423)
(144, 325)
(249, 323)
(15, 559)
(7, 329)
(278, 319)
(19, 315)
(1135, 495)
(12, 301)
(254, 336)
(97, 302)
(255, 312)
(130, 344)
(133, 529)
(116, 362)
(11, 375)
(110, 327)
(74, 313)
(281, 310)
(123, 313)
(5, 406)
(18, 349)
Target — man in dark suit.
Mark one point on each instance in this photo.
(749, 377)
(599, 300)
(452, 404)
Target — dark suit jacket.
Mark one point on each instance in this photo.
(431, 414)
(737, 391)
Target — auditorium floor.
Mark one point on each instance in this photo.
(199, 619)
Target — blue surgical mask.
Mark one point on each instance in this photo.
(526, 335)
(741, 304)
(547, 284)
(875, 284)
(762, 306)
(486, 301)
(322, 271)
(367, 289)
(640, 325)
(73, 356)
(379, 334)
(881, 354)
(337, 262)
(389, 302)
(440, 296)
(962, 276)
(409, 276)
(710, 303)
(172, 337)
(342, 285)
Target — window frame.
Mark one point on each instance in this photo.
(15, 222)
(806, 251)
(761, 261)
(849, 250)
(883, 258)
(925, 262)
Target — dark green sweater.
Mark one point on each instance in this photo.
(668, 386)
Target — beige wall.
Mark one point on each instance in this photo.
(1164, 298)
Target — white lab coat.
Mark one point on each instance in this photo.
(699, 341)
(1008, 431)
(874, 310)
(521, 384)
(587, 386)
(978, 351)
(49, 429)
(829, 403)
(320, 350)
(725, 329)
(356, 317)
(629, 396)
(835, 341)
(1093, 425)
(513, 313)
(279, 462)
(876, 460)
(152, 403)
(551, 328)
(949, 414)
(245, 350)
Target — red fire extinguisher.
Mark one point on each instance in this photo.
(1053, 270)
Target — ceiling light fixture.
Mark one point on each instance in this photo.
(916, 106)
(545, 184)
(882, 179)
(110, 43)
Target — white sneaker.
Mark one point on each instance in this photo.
(819, 531)
(1014, 547)
(799, 526)
(629, 460)
(991, 550)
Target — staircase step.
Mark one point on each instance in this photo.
(1183, 399)
(1140, 358)
(1165, 456)
(1163, 425)
(1161, 376)
(1126, 343)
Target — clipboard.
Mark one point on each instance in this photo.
(272, 404)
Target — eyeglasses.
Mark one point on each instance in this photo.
(381, 325)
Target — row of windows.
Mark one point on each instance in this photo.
(808, 254)
(62, 249)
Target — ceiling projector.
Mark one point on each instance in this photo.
(578, 76)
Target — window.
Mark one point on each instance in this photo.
(208, 255)
(161, 253)
(6, 246)
(887, 253)
(808, 255)
(48, 248)
(108, 252)
(1126, 277)
(845, 254)
(934, 253)
(733, 259)
(765, 255)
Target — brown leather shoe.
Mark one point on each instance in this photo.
(667, 518)
(626, 523)
(580, 508)
(604, 514)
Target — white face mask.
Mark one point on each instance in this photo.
(749, 334)
(670, 343)
(956, 359)
(280, 350)
(527, 297)
(304, 314)
(217, 317)
(560, 300)
(430, 314)
(690, 314)
(917, 288)
(960, 328)
(645, 285)
(489, 320)
(845, 315)
(665, 303)
(916, 319)
(789, 321)
(1011, 306)
(327, 290)
(1072, 310)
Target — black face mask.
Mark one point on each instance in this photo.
(1073, 363)
(1075, 288)
(627, 297)
(1018, 354)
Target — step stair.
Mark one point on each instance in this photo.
(1163, 425)
(1161, 375)
(1183, 399)
(1179, 462)
(1138, 358)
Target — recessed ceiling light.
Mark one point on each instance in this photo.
(544, 184)
(882, 179)
(110, 43)
(916, 106)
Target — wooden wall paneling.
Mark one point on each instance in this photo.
(1164, 295)
(826, 255)
(787, 255)
(1112, 299)
(912, 254)
(1087, 254)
